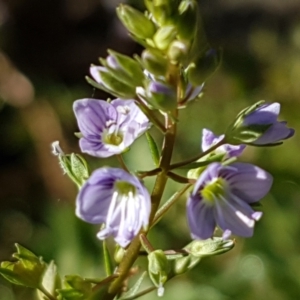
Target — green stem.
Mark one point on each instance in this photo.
(146, 243)
(169, 204)
(153, 118)
(198, 156)
(122, 163)
(179, 178)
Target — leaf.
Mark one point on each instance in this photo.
(131, 292)
(51, 280)
(107, 260)
(153, 149)
(76, 288)
(27, 270)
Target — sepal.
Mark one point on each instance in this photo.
(154, 62)
(240, 133)
(76, 288)
(136, 22)
(204, 66)
(74, 165)
(161, 96)
(164, 36)
(164, 12)
(158, 269)
(107, 81)
(187, 19)
(124, 68)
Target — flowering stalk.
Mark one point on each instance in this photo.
(170, 73)
(133, 250)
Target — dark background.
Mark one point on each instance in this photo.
(46, 48)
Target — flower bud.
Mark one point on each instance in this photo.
(154, 62)
(209, 247)
(124, 68)
(161, 96)
(111, 84)
(164, 12)
(204, 67)
(178, 51)
(257, 125)
(164, 36)
(158, 268)
(136, 22)
(187, 20)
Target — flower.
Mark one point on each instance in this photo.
(209, 139)
(268, 114)
(108, 128)
(258, 125)
(192, 93)
(118, 199)
(223, 196)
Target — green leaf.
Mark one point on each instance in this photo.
(76, 288)
(27, 270)
(107, 260)
(131, 292)
(153, 149)
(51, 280)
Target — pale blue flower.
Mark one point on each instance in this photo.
(108, 128)
(267, 114)
(209, 139)
(223, 196)
(117, 199)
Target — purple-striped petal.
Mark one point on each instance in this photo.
(117, 199)
(221, 196)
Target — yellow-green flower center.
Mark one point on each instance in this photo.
(213, 190)
(125, 188)
(114, 139)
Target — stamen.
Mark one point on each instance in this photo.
(124, 110)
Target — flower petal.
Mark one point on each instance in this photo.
(277, 132)
(247, 181)
(265, 114)
(200, 218)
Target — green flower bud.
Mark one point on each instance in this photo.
(72, 164)
(198, 249)
(124, 68)
(110, 82)
(155, 62)
(164, 36)
(119, 254)
(204, 67)
(158, 268)
(136, 22)
(164, 12)
(28, 270)
(183, 264)
(178, 51)
(161, 96)
(209, 247)
(187, 20)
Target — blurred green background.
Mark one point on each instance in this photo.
(46, 48)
